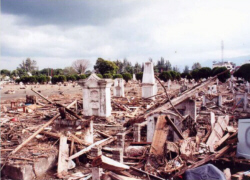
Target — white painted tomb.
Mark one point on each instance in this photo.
(149, 86)
(119, 87)
(243, 146)
(96, 96)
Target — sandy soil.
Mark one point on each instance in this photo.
(46, 90)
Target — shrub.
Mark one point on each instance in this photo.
(107, 76)
(70, 78)
(127, 76)
(243, 72)
(117, 76)
(82, 76)
(99, 75)
(222, 77)
(165, 76)
(42, 79)
(139, 76)
(173, 75)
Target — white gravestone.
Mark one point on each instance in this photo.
(149, 86)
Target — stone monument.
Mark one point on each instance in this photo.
(149, 86)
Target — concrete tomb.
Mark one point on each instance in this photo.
(243, 146)
(149, 86)
(241, 100)
(119, 87)
(96, 96)
(212, 89)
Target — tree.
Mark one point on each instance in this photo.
(195, 74)
(117, 76)
(103, 66)
(186, 75)
(139, 76)
(243, 72)
(80, 65)
(176, 69)
(186, 69)
(127, 76)
(173, 75)
(69, 71)
(223, 77)
(5, 72)
(205, 72)
(137, 68)
(165, 76)
(28, 65)
(107, 76)
(196, 65)
(168, 66)
(57, 72)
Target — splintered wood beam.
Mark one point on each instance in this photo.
(160, 137)
(62, 167)
(42, 96)
(87, 149)
(179, 134)
(108, 164)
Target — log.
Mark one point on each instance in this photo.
(62, 168)
(108, 164)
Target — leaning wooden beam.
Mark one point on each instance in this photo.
(108, 164)
(184, 96)
(58, 105)
(178, 113)
(87, 149)
(179, 134)
(37, 132)
(62, 167)
(51, 102)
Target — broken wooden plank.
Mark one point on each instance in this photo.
(62, 168)
(87, 149)
(108, 164)
(218, 131)
(160, 137)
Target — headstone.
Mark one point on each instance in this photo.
(134, 78)
(119, 87)
(149, 86)
(169, 84)
(96, 96)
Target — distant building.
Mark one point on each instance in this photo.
(227, 64)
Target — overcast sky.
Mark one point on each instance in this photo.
(55, 33)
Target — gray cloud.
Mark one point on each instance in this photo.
(55, 33)
(65, 12)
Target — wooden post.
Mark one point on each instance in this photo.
(62, 168)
